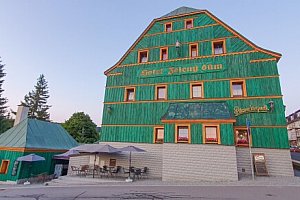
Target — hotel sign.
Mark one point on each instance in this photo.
(251, 109)
(179, 70)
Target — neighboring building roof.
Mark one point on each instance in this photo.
(198, 111)
(183, 11)
(32, 133)
(293, 117)
(179, 11)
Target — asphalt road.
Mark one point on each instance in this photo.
(152, 192)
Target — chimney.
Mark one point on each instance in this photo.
(22, 114)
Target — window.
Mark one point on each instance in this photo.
(143, 56)
(218, 47)
(168, 27)
(161, 92)
(4, 166)
(182, 133)
(129, 94)
(211, 134)
(188, 23)
(196, 90)
(159, 135)
(292, 117)
(241, 137)
(112, 162)
(238, 88)
(164, 54)
(193, 50)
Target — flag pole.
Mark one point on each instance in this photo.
(250, 151)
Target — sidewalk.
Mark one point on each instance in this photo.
(75, 181)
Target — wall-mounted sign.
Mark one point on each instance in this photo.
(180, 70)
(260, 164)
(251, 109)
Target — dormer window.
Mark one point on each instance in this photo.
(188, 23)
(143, 56)
(218, 47)
(168, 27)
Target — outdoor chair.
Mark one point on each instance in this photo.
(75, 170)
(104, 171)
(144, 172)
(84, 170)
(137, 173)
(116, 171)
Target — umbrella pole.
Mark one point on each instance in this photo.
(94, 166)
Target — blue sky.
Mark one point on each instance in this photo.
(72, 42)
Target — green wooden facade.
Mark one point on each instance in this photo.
(135, 121)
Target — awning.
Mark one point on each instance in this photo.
(198, 112)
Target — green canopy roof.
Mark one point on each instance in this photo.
(181, 10)
(196, 111)
(32, 133)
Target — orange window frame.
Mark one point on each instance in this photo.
(139, 55)
(126, 94)
(218, 133)
(156, 92)
(4, 171)
(155, 134)
(235, 137)
(161, 53)
(223, 45)
(177, 132)
(171, 25)
(244, 89)
(191, 90)
(186, 23)
(190, 49)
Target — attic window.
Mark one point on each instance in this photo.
(129, 94)
(188, 23)
(168, 27)
(218, 47)
(143, 56)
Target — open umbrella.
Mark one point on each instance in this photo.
(66, 155)
(30, 158)
(131, 149)
(96, 149)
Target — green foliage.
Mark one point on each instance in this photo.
(36, 100)
(82, 128)
(3, 100)
(5, 124)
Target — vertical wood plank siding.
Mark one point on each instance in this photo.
(237, 62)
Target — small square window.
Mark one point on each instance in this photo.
(4, 166)
(211, 135)
(182, 134)
(164, 54)
(238, 89)
(218, 47)
(193, 50)
(143, 56)
(241, 137)
(189, 23)
(168, 27)
(159, 135)
(196, 90)
(161, 92)
(112, 162)
(129, 94)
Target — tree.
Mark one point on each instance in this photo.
(36, 100)
(5, 122)
(81, 128)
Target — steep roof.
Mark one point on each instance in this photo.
(198, 111)
(32, 133)
(184, 11)
(179, 11)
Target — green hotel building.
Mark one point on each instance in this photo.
(196, 94)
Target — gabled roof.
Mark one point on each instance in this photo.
(36, 134)
(179, 11)
(198, 111)
(184, 11)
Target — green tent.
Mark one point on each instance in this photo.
(32, 136)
